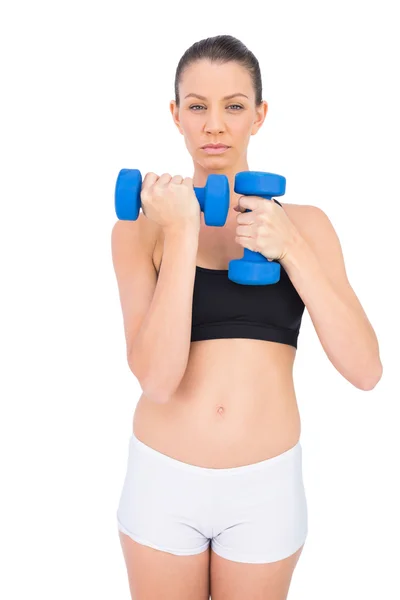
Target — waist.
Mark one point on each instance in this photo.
(217, 441)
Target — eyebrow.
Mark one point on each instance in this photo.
(224, 98)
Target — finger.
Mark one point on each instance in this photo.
(250, 202)
(164, 179)
(177, 179)
(246, 218)
(149, 179)
(188, 181)
(243, 231)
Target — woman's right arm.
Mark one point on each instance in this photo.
(157, 311)
(160, 351)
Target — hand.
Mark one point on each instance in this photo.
(169, 201)
(266, 229)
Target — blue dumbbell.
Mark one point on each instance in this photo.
(213, 198)
(254, 268)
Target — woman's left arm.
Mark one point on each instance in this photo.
(314, 262)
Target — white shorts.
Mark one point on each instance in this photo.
(254, 513)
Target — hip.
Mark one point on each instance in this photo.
(255, 513)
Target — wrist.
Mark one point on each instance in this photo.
(295, 247)
(186, 229)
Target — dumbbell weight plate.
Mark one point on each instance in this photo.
(127, 194)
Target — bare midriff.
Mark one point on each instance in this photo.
(236, 403)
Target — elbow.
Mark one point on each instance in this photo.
(371, 380)
(156, 392)
(159, 396)
(161, 392)
(158, 383)
(147, 391)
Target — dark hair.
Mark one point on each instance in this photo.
(221, 49)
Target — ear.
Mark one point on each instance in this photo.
(261, 113)
(175, 114)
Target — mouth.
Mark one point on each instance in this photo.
(215, 148)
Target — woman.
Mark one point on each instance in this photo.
(213, 499)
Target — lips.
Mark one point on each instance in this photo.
(215, 146)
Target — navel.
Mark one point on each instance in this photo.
(220, 410)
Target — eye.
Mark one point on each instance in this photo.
(199, 105)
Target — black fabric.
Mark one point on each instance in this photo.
(224, 309)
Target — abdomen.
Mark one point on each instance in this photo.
(235, 405)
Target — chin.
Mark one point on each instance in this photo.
(216, 164)
(217, 157)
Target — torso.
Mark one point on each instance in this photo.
(236, 403)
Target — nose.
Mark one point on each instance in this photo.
(214, 122)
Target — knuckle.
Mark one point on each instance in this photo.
(157, 185)
(150, 178)
(176, 180)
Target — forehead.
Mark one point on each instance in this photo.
(215, 79)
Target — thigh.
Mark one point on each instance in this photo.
(154, 574)
(260, 530)
(262, 515)
(163, 504)
(231, 580)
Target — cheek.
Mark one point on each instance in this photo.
(241, 130)
(190, 131)
(187, 122)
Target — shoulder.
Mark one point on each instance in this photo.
(316, 229)
(311, 221)
(302, 211)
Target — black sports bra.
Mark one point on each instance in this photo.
(224, 309)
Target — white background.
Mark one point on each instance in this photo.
(85, 92)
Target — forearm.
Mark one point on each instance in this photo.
(163, 343)
(344, 332)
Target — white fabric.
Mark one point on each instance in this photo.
(254, 513)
